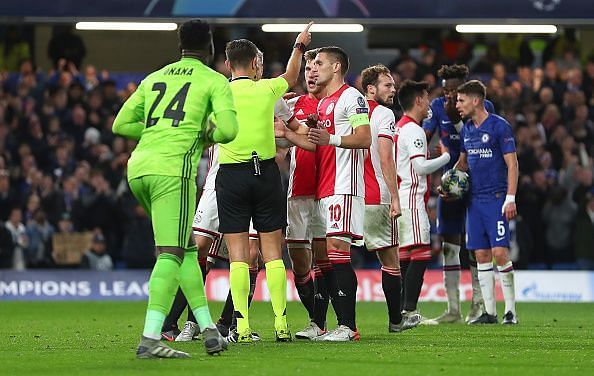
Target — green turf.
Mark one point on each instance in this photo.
(85, 338)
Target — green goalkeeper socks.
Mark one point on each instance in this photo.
(190, 280)
(276, 278)
(163, 285)
(239, 279)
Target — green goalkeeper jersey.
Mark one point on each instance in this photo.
(168, 114)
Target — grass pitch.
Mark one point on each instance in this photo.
(92, 338)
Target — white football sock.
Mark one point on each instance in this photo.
(506, 276)
(486, 277)
(451, 275)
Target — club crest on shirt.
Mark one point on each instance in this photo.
(418, 143)
(330, 108)
(361, 101)
(485, 138)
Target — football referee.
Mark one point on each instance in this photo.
(248, 183)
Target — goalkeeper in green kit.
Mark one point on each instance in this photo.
(168, 115)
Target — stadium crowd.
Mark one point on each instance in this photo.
(62, 170)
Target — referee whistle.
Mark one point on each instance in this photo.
(256, 162)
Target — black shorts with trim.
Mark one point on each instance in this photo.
(242, 196)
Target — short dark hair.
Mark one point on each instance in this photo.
(447, 72)
(473, 88)
(370, 75)
(338, 54)
(310, 55)
(194, 35)
(410, 90)
(240, 52)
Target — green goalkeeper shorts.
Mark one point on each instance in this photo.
(170, 202)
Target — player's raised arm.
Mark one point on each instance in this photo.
(294, 65)
(129, 121)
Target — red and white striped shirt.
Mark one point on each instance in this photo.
(382, 122)
(411, 143)
(302, 168)
(340, 171)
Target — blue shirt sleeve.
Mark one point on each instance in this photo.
(462, 146)
(506, 138)
(431, 123)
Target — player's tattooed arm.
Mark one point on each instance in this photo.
(509, 205)
(386, 152)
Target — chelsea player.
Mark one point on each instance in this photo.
(445, 120)
(488, 153)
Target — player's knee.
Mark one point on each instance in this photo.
(338, 243)
(203, 243)
(501, 255)
(176, 251)
(388, 258)
(301, 263)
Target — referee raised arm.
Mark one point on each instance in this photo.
(248, 183)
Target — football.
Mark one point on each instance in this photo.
(455, 183)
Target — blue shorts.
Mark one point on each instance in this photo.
(486, 227)
(450, 216)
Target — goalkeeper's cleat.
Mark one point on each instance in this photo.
(342, 334)
(485, 318)
(476, 310)
(188, 333)
(310, 332)
(283, 335)
(243, 337)
(510, 318)
(214, 342)
(445, 318)
(152, 348)
(170, 335)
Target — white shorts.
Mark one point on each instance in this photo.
(206, 223)
(414, 229)
(381, 231)
(342, 217)
(300, 215)
(206, 219)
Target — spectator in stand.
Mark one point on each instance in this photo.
(19, 238)
(96, 257)
(8, 198)
(39, 232)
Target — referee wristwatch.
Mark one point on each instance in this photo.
(300, 46)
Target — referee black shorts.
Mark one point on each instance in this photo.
(242, 196)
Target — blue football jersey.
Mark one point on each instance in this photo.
(484, 147)
(438, 121)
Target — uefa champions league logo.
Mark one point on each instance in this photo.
(545, 5)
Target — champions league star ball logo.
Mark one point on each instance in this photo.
(545, 5)
(418, 143)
